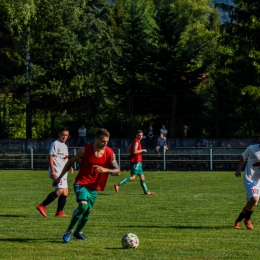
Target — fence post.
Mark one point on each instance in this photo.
(75, 164)
(211, 159)
(31, 158)
(119, 158)
(164, 159)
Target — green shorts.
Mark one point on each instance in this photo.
(84, 193)
(136, 169)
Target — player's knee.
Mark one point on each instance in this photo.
(88, 211)
(59, 192)
(63, 191)
(83, 207)
(132, 178)
(86, 214)
(254, 200)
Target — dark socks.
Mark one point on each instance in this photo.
(248, 214)
(61, 202)
(50, 198)
(241, 217)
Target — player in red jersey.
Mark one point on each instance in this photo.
(136, 151)
(98, 161)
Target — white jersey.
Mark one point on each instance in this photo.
(252, 170)
(60, 154)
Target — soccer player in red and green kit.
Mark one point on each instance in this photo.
(135, 149)
(98, 161)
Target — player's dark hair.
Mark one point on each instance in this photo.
(139, 131)
(64, 129)
(102, 132)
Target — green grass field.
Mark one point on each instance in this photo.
(191, 216)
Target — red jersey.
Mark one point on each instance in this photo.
(136, 157)
(87, 175)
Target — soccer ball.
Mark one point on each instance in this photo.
(130, 240)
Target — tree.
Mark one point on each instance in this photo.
(15, 16)
(235, 76)
(62, 56)
(135, 34)
(188, 33)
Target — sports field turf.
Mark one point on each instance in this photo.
(191, 216)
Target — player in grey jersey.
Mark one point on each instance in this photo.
(58, 157)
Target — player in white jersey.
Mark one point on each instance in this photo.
(251, 181)
(58, 157)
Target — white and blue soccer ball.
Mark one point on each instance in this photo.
(130, 240)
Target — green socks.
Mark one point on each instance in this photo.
(124, 181)
(77, 215)
(127, 179)
(83, 221)
(143, 184)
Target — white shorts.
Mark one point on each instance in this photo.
(252, 189)
(63, 182)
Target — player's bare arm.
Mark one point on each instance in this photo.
(51, 163)
(115, 170)
(136, 151)
(239, 168)
(129, 148)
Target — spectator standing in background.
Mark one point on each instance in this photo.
(82, 138)
(164, 131)
(150, 137)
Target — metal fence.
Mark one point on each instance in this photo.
(184, 158)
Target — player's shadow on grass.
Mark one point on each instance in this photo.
(184, 227)
(19, 240)
(118, 248)
(12, 216)
(29, 240)
(200, 227)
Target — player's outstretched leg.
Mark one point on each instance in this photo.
(121, 183)
(42, 210)
(42, 207)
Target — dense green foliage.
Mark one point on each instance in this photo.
(190, 217)
(127, 64)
